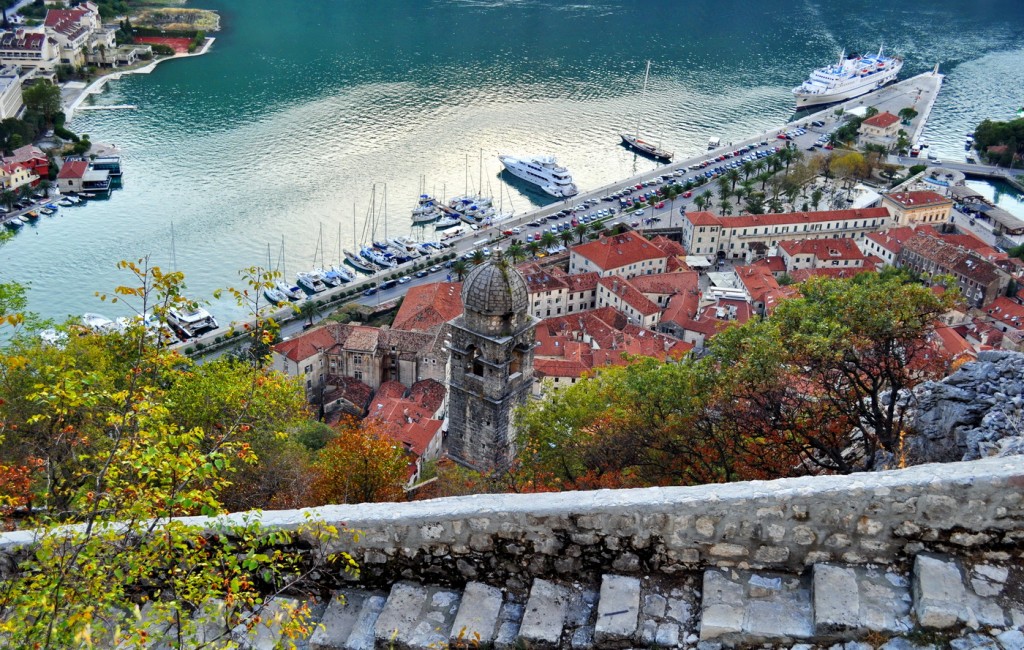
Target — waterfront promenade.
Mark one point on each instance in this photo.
(918, 92)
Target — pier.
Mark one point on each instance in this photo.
(110, 107)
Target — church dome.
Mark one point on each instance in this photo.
(495, 289)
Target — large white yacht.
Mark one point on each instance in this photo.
(190, 320)
(543, 171)
(850, 77)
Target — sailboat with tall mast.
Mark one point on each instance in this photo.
(358, 262)
(634, 142)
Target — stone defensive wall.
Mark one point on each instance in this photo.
(782, 525)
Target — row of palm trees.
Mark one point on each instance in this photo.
(518, 251)
(765, 171)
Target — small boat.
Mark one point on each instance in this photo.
(290, 291)
(98, 322)
(425, 211)
(405, 246)
(86, 195)
(66, 203)
(46, 211)
(275, 295)
(190, 321)
(338, 276)
(14, 224)
(311, 281)
(31, 215)
(330, 280)
(447, 221)
(378, 258)
(360, 263)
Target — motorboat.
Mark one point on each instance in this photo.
(340, 273)
(425, 211)
(311, 281)
(98, 323)
(190, 321)
(275, 295)
(447, 221)
(542, 171)
(290, 291)
(14, 224)
(377, 257)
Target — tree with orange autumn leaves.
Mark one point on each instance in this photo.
(360, 464)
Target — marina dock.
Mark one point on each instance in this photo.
(919, 91)
(110, 107)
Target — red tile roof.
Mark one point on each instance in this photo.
(580, 282)
(428, 306)
(802, 275)
(666, 283)
(756, 280)
(893, 239)
(882, 120)
(390, 389)
(74, 169)
(703, 218)
(306, 345)
(788, 218)
(917, 199)
(428, 393)
(67, 21)
(629, 295)
(619, 250)
(1007, 312)
(823, 249)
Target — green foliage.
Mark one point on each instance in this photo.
(162, 50)
(43, 97)
(994, 134)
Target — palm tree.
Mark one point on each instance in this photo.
(459, 268)
(816, 196)
(759, 166)
(478, 257)
(309, 310)
(8, 198)
(581, 230)
(763, 177)
(699, 201)
(548, 240)
(734, 176)
(533, 247)
(706, 195)
(725, 206)
(515, 251)
(566, 237)
(723, 187)
(748, 168)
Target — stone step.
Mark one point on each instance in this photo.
(544, 617)
(618, 611)
(348, 621)
(416, 617)
(950, 592)
(476, 623)
(750, 607)
(668, 612)
(854, 600)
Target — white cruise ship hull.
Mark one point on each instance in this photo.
(803, 100)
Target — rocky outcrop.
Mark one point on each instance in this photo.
(976, 412)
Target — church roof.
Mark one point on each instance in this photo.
(495, 289)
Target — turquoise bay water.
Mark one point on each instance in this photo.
(301, 107)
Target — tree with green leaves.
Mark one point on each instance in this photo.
(907, 114)
(121, 436)
(516, 251)
(581, 231)
(43, 97)
(460, 267)
(533, 247)
(566, 237)
(548, 240)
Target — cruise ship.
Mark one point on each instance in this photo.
(542, 171)
(851, 77)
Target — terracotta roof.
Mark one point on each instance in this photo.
(917, 199)
(882, 120)
(703, 218)
(670, 247)
(390, 389)
(892, 240)
(773, 263)
(428, 306)
(619, 250)
(582, 281)
(538, 279)
(756, 281)
(802, 275)
(628, 294)
(306, 344)
(428, 393)
(361, 337)
(352, 390)
(951, 343)
(823, 249)
(74, 169)
(67, 22)
(681, 307)
(970, 242)
(708, 322)
(951, 258)
(26, 154)
(791, 218)
(666, 283)
(1007, 312)
(19, 40)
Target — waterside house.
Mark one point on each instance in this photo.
(79, 176)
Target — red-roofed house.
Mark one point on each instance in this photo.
(758, 283)
(1005, 314)
(887, 245)
(980, 280)
(661, 287)
(31, 157)
(623, 296)
(429, 306)
(740, 237)
(912, 208)
(881, 126)
(712, 319)
(15, 175)
(821, 253)
(626, 255)
(72, 175)
(30, 50)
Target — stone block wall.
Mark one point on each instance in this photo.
(787, 524)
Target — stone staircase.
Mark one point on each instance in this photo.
(827, 606)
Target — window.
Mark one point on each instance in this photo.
(308, 369)
(358, 375)
(357, 358)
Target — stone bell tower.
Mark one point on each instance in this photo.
(491, 365)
